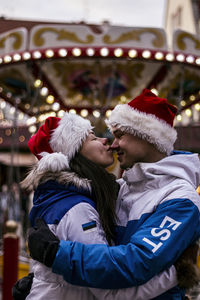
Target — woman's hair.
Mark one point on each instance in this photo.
(104, 191)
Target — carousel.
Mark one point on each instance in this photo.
(48, 68)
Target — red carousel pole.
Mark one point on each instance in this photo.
(10, 259)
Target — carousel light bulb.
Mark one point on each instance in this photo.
(37, 54)
(197, 106)
(62, 52)
(179, 118)
(155, 91)
(1, 60)
(180, 57)
(146, 54)
(32, 129)
(50, 99)
(84, 112)
(17, 57)
(21, 116)
(197, 61)
(159, 55)
(49, 53)
(26, 55)
(21, 138)
(183, 103)
(192, 98)
(118, 52)
(12, 110)
(56, 106)
(169, 56)
(44, 91)
(108, 113)
(31, 121)
(38, 83)
(104, 51)
(132, 53)
(7, 58)
(190, 59)
(76, 51)
(61, 113)
(96, 114)
(72, 111)
(188, 112)
(90, 51)
(3, 104)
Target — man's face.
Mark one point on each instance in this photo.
(130, 149)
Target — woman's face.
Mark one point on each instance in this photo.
(97, 150)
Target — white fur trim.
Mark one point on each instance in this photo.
(54, 162)
(146, 126)
(71, 132)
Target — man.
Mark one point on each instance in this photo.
(158, 206)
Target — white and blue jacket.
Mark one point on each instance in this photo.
(159, 210)
(64, 201)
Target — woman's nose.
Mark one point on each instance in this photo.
(115, 144)
(104, 141)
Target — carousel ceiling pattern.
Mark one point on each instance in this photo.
(88, 70)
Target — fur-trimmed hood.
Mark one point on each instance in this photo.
(37, 176)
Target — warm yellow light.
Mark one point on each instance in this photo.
(104, 51)
(159, 55)
(188, 112)
(62, 52)
(146, 54)
(50, 99)
(76, 51)
(155, 91)
(108, 113)
(72, 111)
(197, 106)
(96, 114)
(118, 52)
(179, 118)
(49, 53)
(132, 53)
(169, 57)
(61, 113)
(37, 83)
(192, 98)
(183, 103)
(84, 112)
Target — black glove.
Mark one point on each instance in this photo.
(188, 273)
(22, 287)
(42, 243)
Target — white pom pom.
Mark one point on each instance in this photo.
(54, 162)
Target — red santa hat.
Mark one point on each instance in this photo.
(58, 140)
(148, 117)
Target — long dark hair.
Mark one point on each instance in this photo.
(104, 191)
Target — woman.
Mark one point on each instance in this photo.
(76, 197)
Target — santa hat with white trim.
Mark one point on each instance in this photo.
(58, 140)
(148, 117)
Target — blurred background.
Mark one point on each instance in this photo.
(85, 57)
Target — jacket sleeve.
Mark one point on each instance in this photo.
(154, 247)
(156, 286)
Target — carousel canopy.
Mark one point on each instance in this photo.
(48, 68)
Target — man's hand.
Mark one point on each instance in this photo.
(188, 273)
(42, 243)
(22, 287)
